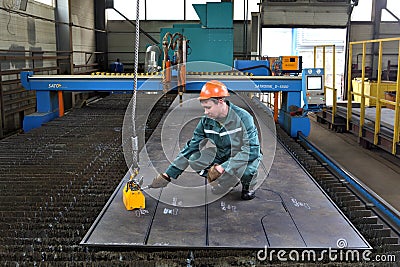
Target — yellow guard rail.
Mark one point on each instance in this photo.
(379, 101)
(324, 65)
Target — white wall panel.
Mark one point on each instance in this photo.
(82, 14)
(23, 33)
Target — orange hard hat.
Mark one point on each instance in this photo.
(213, 88)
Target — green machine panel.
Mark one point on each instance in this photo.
(211, 40)
(219, 15)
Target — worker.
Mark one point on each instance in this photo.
(117, 66)
(235, 154)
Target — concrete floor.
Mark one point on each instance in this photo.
(377, 169)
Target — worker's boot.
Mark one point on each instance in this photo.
(248, 192)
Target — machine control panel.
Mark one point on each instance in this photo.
(291, 63)
(313, 88)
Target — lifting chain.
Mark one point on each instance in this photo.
(135, 143)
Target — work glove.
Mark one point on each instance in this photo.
(213, 174)
(160, 181)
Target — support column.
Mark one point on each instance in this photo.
(377, 7)
(64, 35)
(64, 44)
(255, 34)
(101, 37)
(1, 106)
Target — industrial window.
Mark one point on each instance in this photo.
(173, 9)
(285, 37)
(127, 8)
(46, 2)
(363, 11)
(301, 42)
(165, 10)
(190, 13)
(239, 8)
(386, 16)
(392, 11)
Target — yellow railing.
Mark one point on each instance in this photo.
(379, 101)
(324, 65)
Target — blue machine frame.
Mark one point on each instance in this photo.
(47, 86)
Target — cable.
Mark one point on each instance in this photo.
(135, 143)
(8, 24)
(9, 5)
(256, 67)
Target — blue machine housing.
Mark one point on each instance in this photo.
(299, 123)
(292, 88)
(47, 110)
(255, 67)
(210, 40)
(293, 124)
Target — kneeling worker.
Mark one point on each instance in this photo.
(236, 155)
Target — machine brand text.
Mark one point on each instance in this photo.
(54, 85)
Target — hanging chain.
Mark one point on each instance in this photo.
(135, 145)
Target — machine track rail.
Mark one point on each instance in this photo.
(55, 180)
(370, 218)
(377, 221)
